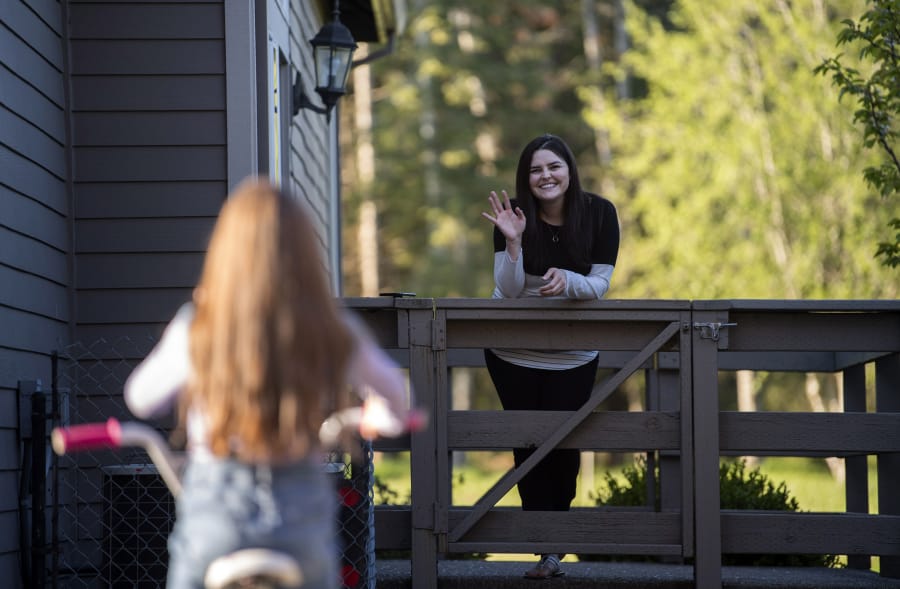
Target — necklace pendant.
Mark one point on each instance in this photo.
(555, 238)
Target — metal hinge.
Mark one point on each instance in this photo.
(438, 335)
(711, 330)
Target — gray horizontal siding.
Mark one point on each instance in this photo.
(22, 56)
(135, 330)
(34, 294)
(158, 270)
(9, 522)
(16, 365)
(152, 57)
(149, 157)
(30, 217)
(25, 254)
(146, 164)
(123, 305)
(34, 232)
(187, 235)
(29, 332)
(31, 180)
(9, 561)
(31, 105)
(9, 459)
(8, 405)
(128, 92)
(31, 143)
(34, 30)
(148, 128)
(151, 21)
(106, 200)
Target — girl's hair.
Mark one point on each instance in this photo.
(574, 235)
(268, 344)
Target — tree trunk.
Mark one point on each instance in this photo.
(814, 396)
(746, 400)
(594, 58)
(367, 231)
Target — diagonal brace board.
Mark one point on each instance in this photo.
(513, 476)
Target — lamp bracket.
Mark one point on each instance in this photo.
(301, 100)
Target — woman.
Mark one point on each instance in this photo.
(259, 360)
(554, 241)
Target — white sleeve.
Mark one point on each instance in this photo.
(509, 276)
(153, 387)
(372, 371)
(592, 286)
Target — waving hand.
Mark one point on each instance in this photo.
(510, 222)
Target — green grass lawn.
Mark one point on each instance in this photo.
(808, 480)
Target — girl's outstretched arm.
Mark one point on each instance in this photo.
(372, 371)
(153, 387)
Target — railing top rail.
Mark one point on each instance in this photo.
(773, 305)
(385, 302)
(536, 303)
(813, 306)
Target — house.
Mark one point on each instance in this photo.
(122, 127)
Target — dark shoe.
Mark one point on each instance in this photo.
(546, 568)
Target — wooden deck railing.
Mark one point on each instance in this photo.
(681, 346)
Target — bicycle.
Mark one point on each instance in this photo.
(262, 568)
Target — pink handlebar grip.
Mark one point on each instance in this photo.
(416, 420)
(88, 436)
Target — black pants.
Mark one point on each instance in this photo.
(550, 486)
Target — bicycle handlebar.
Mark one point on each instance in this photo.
(87, 436)
(114, 434)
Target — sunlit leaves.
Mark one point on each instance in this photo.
(738, 161)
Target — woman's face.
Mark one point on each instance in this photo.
(549, 177)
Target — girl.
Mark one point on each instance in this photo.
(257, 362)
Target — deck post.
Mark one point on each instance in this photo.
(857, 470)
(887, 400)
(707, 514)
(423, 452)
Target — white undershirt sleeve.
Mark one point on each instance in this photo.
(509, 275)
(592, 286)
(153, 387)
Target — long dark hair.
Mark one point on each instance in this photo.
(573, 235)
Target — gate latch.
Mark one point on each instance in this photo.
(711, 330)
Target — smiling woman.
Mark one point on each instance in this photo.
(554, 240)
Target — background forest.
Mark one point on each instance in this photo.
(736, 169)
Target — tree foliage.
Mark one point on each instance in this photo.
(470, 83)
(877, 96)
(734, 167)
(735, 173)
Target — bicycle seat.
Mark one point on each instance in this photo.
(260, 567)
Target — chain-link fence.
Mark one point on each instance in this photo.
(111, 512)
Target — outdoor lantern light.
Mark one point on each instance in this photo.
(333, 48)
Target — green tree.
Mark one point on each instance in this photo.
(469, 84)
(877, 95)
(734, 170)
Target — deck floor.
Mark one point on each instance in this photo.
(471, 574)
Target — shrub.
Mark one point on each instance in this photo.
(738, 489)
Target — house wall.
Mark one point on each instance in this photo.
(313, 144)
(123, 125)
(34, 233)
(150, 158)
